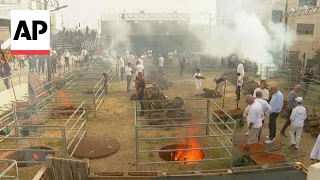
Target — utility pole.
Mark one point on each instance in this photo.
(284, 50)
(49, 58)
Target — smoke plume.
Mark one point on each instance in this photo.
(247, 31)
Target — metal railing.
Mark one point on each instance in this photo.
(48, 128)
(285, 79)
(91, 83)
(212, 133)
(11, 169)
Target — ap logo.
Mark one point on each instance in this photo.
(30, 32)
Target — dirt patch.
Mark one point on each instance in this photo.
(220, 113)
(236, 111)
(94, 147)
(268, 158)
(251, 148)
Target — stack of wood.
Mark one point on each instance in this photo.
(158, 78)
(163, 107)
(312, 124)
(60, 82)
(230, 75)
(210, 93)
(249, 85)
(164, 110)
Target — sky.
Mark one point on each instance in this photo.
(88, 12)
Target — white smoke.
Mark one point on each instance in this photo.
(120, 32)
(248, 31)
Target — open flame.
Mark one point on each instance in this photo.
(63, 98)
(35, 156)
(190, 155)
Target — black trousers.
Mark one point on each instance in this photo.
(6, 81)
(54, 66)
(141, 98)
(287, 123)
(238, 92)
(261, 130)
(66, 60)
(181, 69)
(41, 67)
(273, 125)
(122, 74)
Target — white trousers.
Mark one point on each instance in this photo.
(295, 139)
(253, 135)
(220, 86)
(198, 88)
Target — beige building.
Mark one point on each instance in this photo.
(53, 20)
(307, 29)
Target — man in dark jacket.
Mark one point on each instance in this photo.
(6, 74)
(54, 59)
(30, 60)
(41, 63)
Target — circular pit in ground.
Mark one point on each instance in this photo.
(175, 155)
(33, 156)
(94, 147)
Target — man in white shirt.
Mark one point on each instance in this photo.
(263, 89)
(66, 55)
(197, 76)
(128, 73)
(240, 69)
(132, 59)
(315, 153)
(141, 61)
(298, 116)
(83, 52)
(127, 53)
(255, 117)
(161, 61)
(265, 107)
(239, 85)
(121, 66)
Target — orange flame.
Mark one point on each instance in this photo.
(191, 154)
(63, 98)
(35, 157)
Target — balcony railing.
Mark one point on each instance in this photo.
(10, 2)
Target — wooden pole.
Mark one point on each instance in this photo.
(224, 93)
(237, 102)
(14, 92)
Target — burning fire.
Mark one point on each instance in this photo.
(188, 155)
(63, 98)
(35, 156)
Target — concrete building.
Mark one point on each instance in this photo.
(307, 29)
(5, 11)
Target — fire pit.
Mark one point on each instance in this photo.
(36, 155)
(187, 155)
(69, 108)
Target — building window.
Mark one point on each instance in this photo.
(309, 3)
(305, 29)
(277, 16)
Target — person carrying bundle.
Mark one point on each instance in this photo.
(219, 84)
(197, 76)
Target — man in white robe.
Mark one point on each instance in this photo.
(240, 69)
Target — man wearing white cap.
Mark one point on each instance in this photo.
(240, 69)
(298, 116)
(315, 153)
